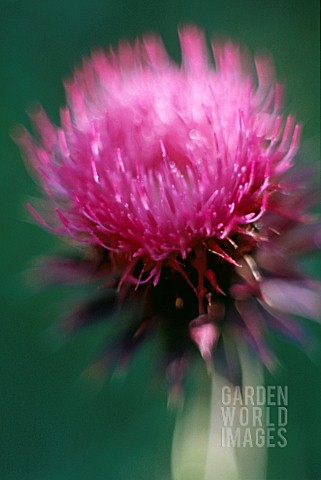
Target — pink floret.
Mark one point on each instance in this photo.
(152, 158)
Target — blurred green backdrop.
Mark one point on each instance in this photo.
(55, 424)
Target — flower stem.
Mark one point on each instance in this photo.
(200, 450)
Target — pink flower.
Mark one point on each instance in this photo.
(177, 178)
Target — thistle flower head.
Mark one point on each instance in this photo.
(177, 178)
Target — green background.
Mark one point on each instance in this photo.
(55, 423)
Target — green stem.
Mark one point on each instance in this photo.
(197, 452)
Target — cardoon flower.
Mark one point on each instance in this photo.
(178, 182)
